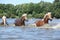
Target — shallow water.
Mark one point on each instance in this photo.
(29, 33)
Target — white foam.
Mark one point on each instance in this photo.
(57, 26)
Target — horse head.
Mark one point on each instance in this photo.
(21, 21)
(44, 20)
(47, 17)
(24, 17)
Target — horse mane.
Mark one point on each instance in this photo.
(46, 19)
(22, 18)
(20, 21)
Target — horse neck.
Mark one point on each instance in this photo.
(22, 19)
(45, 20)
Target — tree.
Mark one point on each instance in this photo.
(57, 1)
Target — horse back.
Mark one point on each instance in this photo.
(39, 23)
(18, 22)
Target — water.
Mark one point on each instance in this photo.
(29, 33)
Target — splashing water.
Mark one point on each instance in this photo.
(30, 33)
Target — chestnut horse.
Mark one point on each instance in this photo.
(21, 21)
(44, 20)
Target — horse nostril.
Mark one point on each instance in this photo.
(50, 19)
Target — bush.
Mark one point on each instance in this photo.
(41, 15)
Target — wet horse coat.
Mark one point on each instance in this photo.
(20, 22)
(44, 21)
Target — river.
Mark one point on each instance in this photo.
(29, 33)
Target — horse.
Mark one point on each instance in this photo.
(21, 21)
(4, 21)
(45, 20)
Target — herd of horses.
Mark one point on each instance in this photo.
(21, 21)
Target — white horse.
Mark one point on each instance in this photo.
(4, 21)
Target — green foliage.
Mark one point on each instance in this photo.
(57, 1)
(29, 16)
(57, 13)
(36, 10)
(41, 15)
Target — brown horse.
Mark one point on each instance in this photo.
(44, 20)
(21, 21)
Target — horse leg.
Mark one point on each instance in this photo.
(7, 23)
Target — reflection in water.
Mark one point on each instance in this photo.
(29, 33)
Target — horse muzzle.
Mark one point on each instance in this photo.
(50, 19)
(26, 20)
